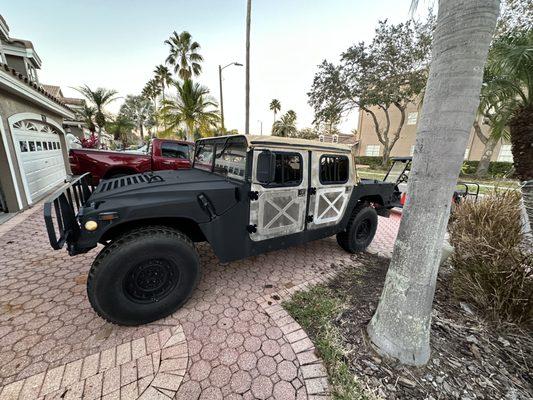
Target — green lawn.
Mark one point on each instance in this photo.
(485, 185)
(315, 310)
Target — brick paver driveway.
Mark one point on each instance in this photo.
(226, 342)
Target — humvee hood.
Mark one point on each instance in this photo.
(148, 182)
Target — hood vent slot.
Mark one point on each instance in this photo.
(117, 183)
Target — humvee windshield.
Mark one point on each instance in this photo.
(225, 156)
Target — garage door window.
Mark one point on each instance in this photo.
(32, 145)
(23, 146)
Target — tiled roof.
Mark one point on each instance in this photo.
(26, 43)
(38, 88)
(53, 90)
(343, 138)
(73, 101)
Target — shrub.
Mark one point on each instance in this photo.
(497, 169)
(492, 270)
(372, 162)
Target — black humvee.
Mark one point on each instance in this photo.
(245, 195)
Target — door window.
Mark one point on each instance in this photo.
(288, 169)
(175, 150)
(333, 169)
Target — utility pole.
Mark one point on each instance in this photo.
(261, 125)
(248, 18)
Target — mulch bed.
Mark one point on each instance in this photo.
(470, 359)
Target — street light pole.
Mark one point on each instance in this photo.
(220, 68)
(261, 129)
(248, 18)
(221, 98)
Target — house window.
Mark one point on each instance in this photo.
(372, 150)
(335, 138)
(467, 151)
(333, 169)
(412, 117)
(505, 153)
(288, 169)
(321, 138)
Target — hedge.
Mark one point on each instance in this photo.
(372, 162)
(497, 169)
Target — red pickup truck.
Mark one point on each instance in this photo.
(163, 154)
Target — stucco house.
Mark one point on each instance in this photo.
(369, 145)
(33, 154)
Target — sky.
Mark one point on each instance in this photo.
(117, 43)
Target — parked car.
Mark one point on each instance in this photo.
(163, 154)
(245, 195)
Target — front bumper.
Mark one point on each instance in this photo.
(61, 211)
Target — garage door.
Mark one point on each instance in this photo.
(40, 156)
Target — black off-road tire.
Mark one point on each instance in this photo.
(360, 230)
(144, 275)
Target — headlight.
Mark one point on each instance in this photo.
(91, 225)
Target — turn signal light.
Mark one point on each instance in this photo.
(107, 216)
(91, 225)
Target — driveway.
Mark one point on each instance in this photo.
(231, 340)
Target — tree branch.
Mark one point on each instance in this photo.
(396, 135)
(479, 132)
(376, 125)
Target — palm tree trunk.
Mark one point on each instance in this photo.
(484, 163)
(521, 127)
(400, 328)
(190, 132)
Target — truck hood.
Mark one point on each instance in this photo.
(161, 181)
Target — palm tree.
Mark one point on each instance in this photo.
(138, 109)
(511, 63)
(121, 128)
(163, 77)
(400, 327)
(490, 113)
(184, 56)
(86, 114)
(286, 125)
(275, 106)
(193, 110)
(99, 98)
(151, 90)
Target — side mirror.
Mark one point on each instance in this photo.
(266, 167)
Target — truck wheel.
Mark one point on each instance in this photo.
(360, 230)
(144, 275)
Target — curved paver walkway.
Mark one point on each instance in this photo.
(231, 340)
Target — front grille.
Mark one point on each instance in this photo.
(116, 183)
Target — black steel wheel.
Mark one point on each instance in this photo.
(151, 280)
(144, 275)
(360, 230)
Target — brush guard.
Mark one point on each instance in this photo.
(61, 211)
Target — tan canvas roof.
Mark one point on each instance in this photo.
(267, 140)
